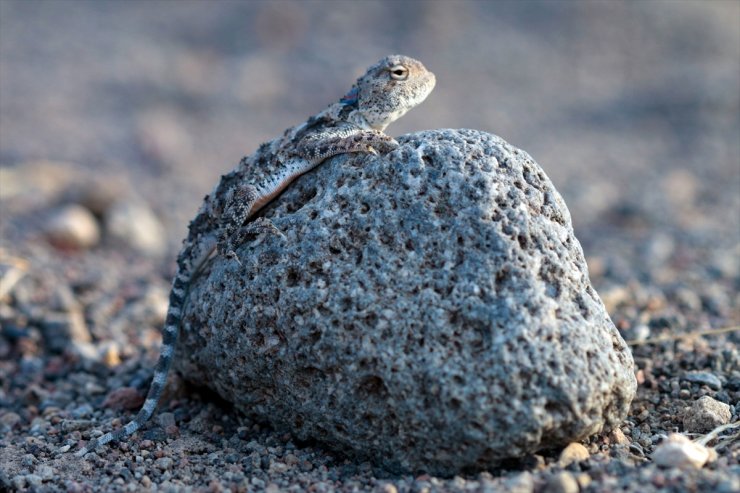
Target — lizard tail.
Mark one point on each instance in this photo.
(169, 341)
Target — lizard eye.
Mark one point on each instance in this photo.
(399, 72)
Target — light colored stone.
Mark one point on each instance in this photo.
(86, 350)
(430, 310)
(617, 436)
(575, 452)
(584, 480)
(72, 227)
(678, 451)
(111, 355)
(520, 483)
(562, 482)
(133, 223)
(706, 414)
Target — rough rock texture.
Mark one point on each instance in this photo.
(430, 311)
(706, 414)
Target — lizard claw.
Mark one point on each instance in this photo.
(390, 145)
(231, 255)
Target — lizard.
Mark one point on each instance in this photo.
(386, 91)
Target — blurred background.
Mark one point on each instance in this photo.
(632, 109)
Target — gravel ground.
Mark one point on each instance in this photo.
(117, 117)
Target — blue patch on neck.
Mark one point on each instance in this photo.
(351, 97)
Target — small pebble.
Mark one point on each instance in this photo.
(133, 223)
(164, 463)
(584, 480)
(34, 479)
(389, 488)
(562, 482)
(277, 467)
(85, 350)
(8, 421)
(93, 388)
(678, 451)
(575, 452)
(520, 483)
(165, 420)
(111, 355)
(28, 460)
(704, 378)
(45, 472)
(72, 228)
(19, 482)
(639, 333)
(82, 411)
(705, 415)
(124, 398)
(617, 436)
(291, 459)
(73, 487)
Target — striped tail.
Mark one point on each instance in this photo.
(170, 334)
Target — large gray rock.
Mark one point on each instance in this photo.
(430, 311)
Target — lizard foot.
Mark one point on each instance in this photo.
(388, 146)
(258, 227)
(231, 255)
(261, 226)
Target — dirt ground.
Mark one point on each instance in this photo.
(116, 118)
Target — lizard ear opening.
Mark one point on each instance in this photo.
(351, 97)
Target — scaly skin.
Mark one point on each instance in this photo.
(355, 123)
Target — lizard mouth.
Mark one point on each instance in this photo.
(427, 86)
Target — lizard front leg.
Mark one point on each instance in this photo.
(257, 227)
(322, 145)
(245, 200)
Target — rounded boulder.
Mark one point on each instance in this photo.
(429, 310)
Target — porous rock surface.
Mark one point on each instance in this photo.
(430, 311)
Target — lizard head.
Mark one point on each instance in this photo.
(389, 89)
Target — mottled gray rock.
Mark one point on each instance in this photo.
(430, 311)
(706, 414)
